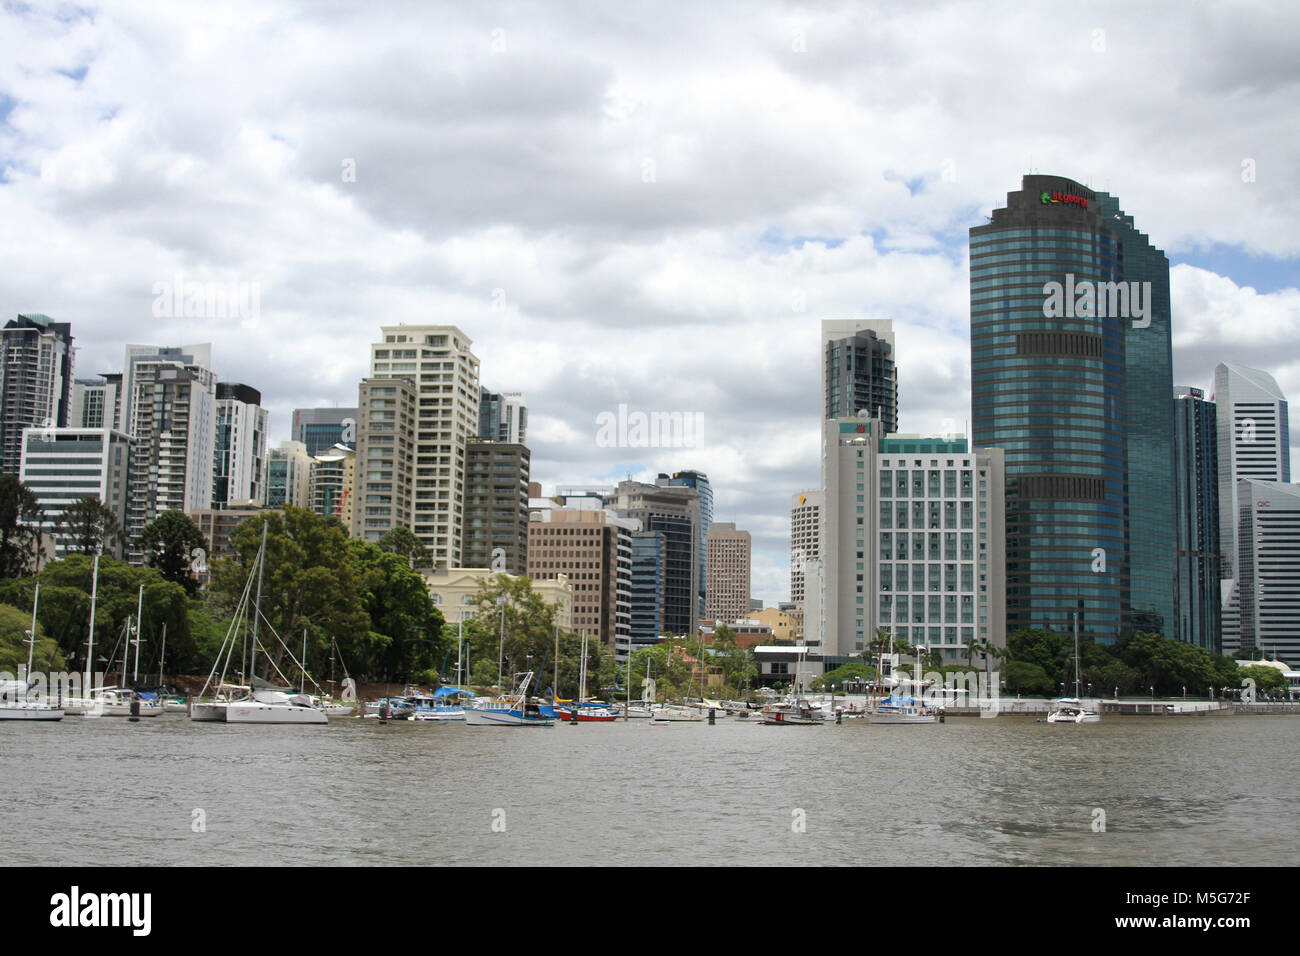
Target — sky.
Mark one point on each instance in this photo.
(643, 204)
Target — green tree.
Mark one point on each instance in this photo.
(20, 535)
(88, 526)
(15, 623)
(513, 621)
(170, 542)
(402, 541)
(397, 600)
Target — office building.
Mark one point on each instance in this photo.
(673, 511)
(700, 482)
(36, 375)
(320, 429)
(1197, 475)
(438, 362)
(859, 378)
(199, 356)
(1268, 568)
(727, 598)
(96, 402)
(495, 534)
(592, 550)
(289, 476)
(645, 586)
(333, 478)
(62, 465)
(239, 454)
(1071, 374)
(503, 416)
(805, 538)
(1253, 442)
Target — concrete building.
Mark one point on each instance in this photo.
(495, 534)
(62, 465)
(239, 452)
(700, 482)
(217, 526)
(1253, 442)
(36, 375)
(438, 361)
(333, 478)
(783, 621)
(503, 417)
(199, 355)
(289, 476)
(805, 538)
(1197, 475)
(593, 551)
(729, 578)
(320, 429)
(96, 402)
(1268, 568)
(385, 478)
(912, 542)
(173, 432)
(859, 378)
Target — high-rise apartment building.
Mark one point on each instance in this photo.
(727, 598)
(173, 432)
(333, 480)
(36, 375)
(1071, 374)
(859, 378)
(674, 511)
(495, 535)
(320, 429)
(438, 361)
(385, 477)
(199, 355)
(1268, 567)
(1253, 442)
(503, 416)
(96, 402)
(1197, 488)
(239, 454)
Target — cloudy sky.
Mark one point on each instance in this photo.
(652, 204)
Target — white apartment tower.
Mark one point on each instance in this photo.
(438, 361)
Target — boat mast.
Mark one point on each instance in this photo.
(31, 640)
(90, 648)
(501, 646)
(257, 612)
(162, 654)
(1076, 655)
(139, 625)
(302, 681)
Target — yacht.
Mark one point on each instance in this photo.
(902, 710)
(1070, 710)
(794, 710)
(15, 705)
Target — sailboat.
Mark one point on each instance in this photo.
(251, 703)
(896, 709)
(1070, 710)
(15, 702)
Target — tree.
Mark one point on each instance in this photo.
(397, 600)
(14, 626)
(402, 541)
(169, 543)
(20, 535)
(88, 526)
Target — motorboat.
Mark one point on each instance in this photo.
(902, 710)
(512, 710)
(794, 710)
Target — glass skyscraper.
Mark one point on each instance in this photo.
(1071, 374)
(1197, 473)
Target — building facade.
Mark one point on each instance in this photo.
(61, 465)
(496, 506)
(239, 446)
(320, 429)
(333, 480)
(385, 477)
(1197, 474)
(673, 511)
(289, 476)
(1268, 568)
(805, 538)
(1071, 374)
(438, 361)
(859, 378)
(503, 416)
(36, 376)
(700, 482)
(727, 597)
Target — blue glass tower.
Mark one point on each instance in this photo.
(1071, 375)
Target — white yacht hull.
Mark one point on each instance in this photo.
(29, 711)
(475, 717)
(901, 718)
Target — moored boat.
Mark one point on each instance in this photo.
(794, 710)
(902, 710)
(513, 710)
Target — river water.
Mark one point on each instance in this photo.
(1176, 791)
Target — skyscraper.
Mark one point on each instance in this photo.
(239, 454)
(700, 482)
(674, 511)
(1253, 442)
(495, 535)
(36, 374)
(1268, 567)
(438, 360)
(805, 538)
(859, 377)
(1071, 374)
(385, 463)
(1197, 474)
(727, 599)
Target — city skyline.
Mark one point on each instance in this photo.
(580, 281)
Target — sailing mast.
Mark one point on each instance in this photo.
(139, 626)
(257, 613)
(31, 641)
(90, 648)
